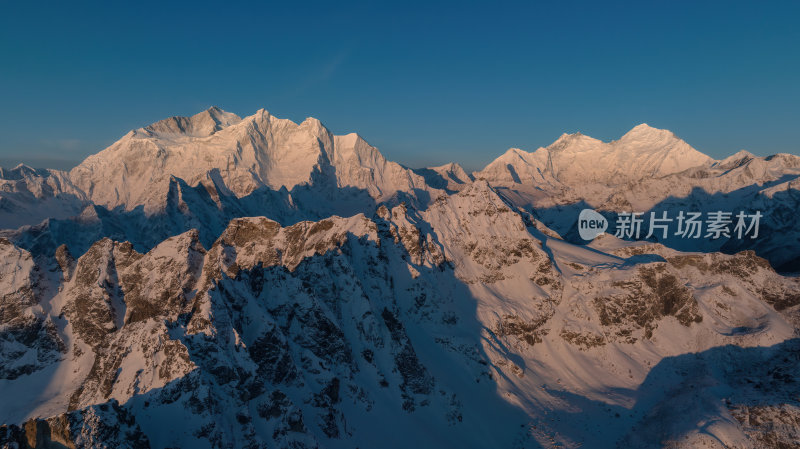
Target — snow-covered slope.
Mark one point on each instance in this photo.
(739, 183)
(652, 170)
(574, 159)
(238, 156)
(461, 324)
(28, 196)
(252, 282)
(200, 172)
(451, 177)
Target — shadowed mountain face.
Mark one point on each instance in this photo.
(243, 154)
(217, 281)
(202, 171)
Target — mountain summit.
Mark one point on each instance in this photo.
(576, 159)
(236, 154)
(202, 124)
(216, 281)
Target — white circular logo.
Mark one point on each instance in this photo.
(591, 224)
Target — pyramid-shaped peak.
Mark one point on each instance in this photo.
(450, 166)
(222, 118)
(350, 139)
(216, 112)
(742, 154)
(643, 127)
(644, 130)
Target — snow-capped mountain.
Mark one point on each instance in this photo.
(450, 177)
(230, 155)
(209, 291)
(202, 171)
(28, 196)
(574, 159)
(651, 170)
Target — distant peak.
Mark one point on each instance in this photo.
(569, 136)
(261, 115)
(216, 112)
(644, 127)
(742, 153)
(449, 166)
(312, 122)
(202, 124)
(738, 159)
(20, 171)
(23, 168)
(222, 118)
(643, 130)
(349, 139)
(572, 140)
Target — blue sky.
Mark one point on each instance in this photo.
(425, 82)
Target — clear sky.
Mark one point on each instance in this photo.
(427, 83)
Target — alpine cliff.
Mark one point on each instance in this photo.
(221, 151)
(217, 282)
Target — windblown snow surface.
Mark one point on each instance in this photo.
(224, 282)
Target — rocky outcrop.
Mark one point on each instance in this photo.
(435, 317)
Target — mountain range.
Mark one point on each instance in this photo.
(218, 281)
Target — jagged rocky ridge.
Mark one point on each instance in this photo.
(667, 175)
(453, 318)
